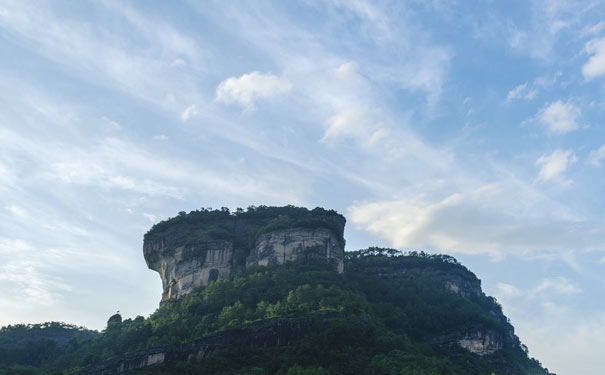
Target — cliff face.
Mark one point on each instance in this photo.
(483, 342)
(193, 250)
(296, 244)
(447, 274)
(187, 268)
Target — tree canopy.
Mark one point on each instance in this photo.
(395, 317)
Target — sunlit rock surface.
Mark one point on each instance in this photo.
(297, 244)
(187, 268)
(482, 342)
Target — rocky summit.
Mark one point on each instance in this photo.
(192, 250)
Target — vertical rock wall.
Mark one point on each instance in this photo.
(184, 269)
(189, 267)
(297, 244)
(482, 342)
(192, 250)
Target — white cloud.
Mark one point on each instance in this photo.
(189, 112)
(602, 261)
(14, 246)
(595, 66)
(17, 211)
(178, 62)
(248, 88)
(547, 81)
(94, 173)
(107, 58)
(347, 71)
(508, 290)
(596, 156)
(113, 124)
(559, 117)
(558, 285)
(593, 29)
(151, 217)
(547, 20)
(545, 289)
(354, 123)
(22, 278)
(521, 92)
(555, 333)
(6, 175)
(553, 166)
(550, 319)
(496, 219)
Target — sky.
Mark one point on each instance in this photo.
(472, 128)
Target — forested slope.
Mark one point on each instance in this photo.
(389, 313)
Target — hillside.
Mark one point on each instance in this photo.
(389, 313)
(270, 291)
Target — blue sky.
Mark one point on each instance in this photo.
(473, 128)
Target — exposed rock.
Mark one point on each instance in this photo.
(482, 342)
(115, 319)
(296, 244)
(186, 268)
(464, 287)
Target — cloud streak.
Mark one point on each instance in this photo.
(498, 219)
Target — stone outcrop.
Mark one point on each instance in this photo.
(267, 333)
(482, 342)
(296, 244)
(184, 269)
(193, 250)
(464, 287)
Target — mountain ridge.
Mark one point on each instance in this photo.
(386, 312)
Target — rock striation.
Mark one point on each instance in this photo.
(189, 267)
(297, 244)
(192, 250)
(482, 342)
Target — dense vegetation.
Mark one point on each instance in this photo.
(242, 227)
(25, 347)
(396, 317)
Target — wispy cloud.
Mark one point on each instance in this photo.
(554, 331)
(521, 92)
(104, 57)
(559, 117)
(545, 289)
(595, 66)
(496, 219)
(549, 20)
(596, 156)
(553, 166)
(189, 112)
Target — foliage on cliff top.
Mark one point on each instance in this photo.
(243, 226)
(391, 321)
